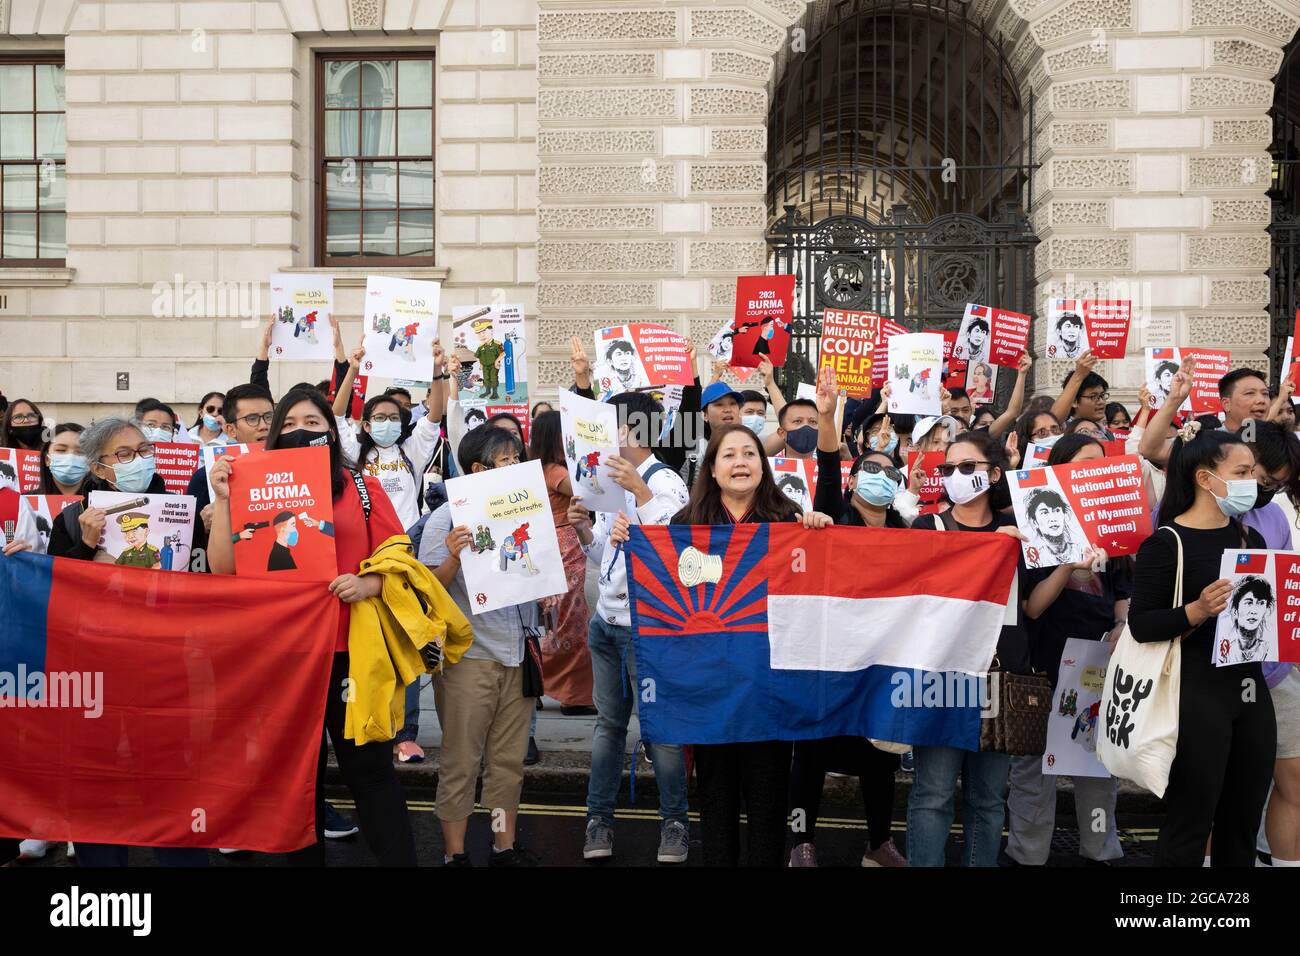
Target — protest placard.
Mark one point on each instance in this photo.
(932, 487)
(1261, 622)
(915, 369)
(880, 361)
(981, 382)
(47, 509)
(848, 345)
(1162, 363)
(147, 531)
(1064, 509)
(1075, 326)
(282, 514)
(797, 478)
(993, 335)
(954, 369)
(210, 454)
(302, 306)
(400, 324)
(515, 554)
(20, 469)
(177, 462)
(491, 344)
(631, 357)
(590, 431)
(764, 318)
(1076, 705)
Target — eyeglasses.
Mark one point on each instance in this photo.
(966, 467)
(27, 418)
(1096, 397)
(128, 455)
(385, 418)
(1272, 484)
(871, 468)
(1047, 432)
(254, 419)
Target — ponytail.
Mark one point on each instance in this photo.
(1205, 449)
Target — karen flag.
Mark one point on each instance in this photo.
(772, 632)
(173, 710)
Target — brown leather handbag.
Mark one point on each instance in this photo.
(1018, 725)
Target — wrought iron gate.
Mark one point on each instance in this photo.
(900, 159)
(1284, 227)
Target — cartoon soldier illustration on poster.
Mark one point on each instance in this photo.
(514, 547)
(490, 354)
(482, 540)
(139, 553)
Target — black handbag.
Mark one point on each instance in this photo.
(533, 682)
(1018, 724)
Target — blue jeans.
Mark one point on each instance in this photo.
(411, 725)
(930, 807)
(611, 656)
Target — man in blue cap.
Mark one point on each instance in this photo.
(720, 404)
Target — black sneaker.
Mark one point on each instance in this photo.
(337, 826)
(459, 859)
(533, 756)
(515, 856)
(577, 711)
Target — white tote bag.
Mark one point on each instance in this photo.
(1140, 701)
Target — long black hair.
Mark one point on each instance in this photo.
(366, 441)
(1206, 450)
(995, 454)
(337, 472)
(483, 444)
(1064, 450)
(1025, 428)
(198, 420)
(705, 505)
(1277, 449)
(546, 440)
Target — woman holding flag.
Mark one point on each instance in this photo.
(874, 482)
(735, 486)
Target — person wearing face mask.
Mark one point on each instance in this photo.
(1227, 739)
(208, 430)
(22, 426)
(974, 469)
(797, 428)
(158, 423)
(388, 448)
(753, 411)
(64, 469)
(1088, 599)
(875, 481)
(304, 419)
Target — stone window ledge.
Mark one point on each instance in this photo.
(355, 278)
(26, 277)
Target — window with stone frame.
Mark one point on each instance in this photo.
(374, 140)
(33, 149)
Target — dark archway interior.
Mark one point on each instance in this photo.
(896, 101)
(1284, 193)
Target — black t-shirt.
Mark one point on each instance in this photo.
(1013, 643)
(1085, 609)
(280, 559)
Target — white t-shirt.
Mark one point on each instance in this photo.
(388, 466)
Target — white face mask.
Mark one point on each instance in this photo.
(963, 489)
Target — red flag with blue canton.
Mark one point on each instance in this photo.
(1252, 563)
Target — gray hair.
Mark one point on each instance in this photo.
(95, 439)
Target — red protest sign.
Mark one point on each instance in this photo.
(1114, 448)
(1075, 326)
(20, 469)
(1211, 365)
(176, 462)
(932, 487)
(1064, 509)
(954, 370)
(1291, 358)
(880, 361)
(357, 405)
(989, 334)
(848, 346)
(664, 354)
(764, 316)
(282, 511)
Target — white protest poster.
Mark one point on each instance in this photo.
(670, 397)
(147, 531)
(796, 478)
(916, 373)
(806, 390)
(974, 335)
(490, 342)
(631, 357)
(1250, 628)
(1076, 704)
(1046, 519)
(1067, 336)
(211, 453)
(400, 324)
(590, 432)
(302, 305)
(515, 554)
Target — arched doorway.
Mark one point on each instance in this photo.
(1284, 196)
(900, 168)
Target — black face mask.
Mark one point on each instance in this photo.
(1263, 496)
(28, 435)
(302, 438)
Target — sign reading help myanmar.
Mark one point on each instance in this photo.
(1064, 509)
(848, 345)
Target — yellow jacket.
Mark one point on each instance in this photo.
(387, 634)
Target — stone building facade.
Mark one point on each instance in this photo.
(599, 161)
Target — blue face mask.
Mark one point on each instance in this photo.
(754, 423)
(385, 434)
(157, 434)
(890, 445)
(1242, 493)
(292, 538)
(876, 488)
(210, 423)
(133, 476)
(68, 469)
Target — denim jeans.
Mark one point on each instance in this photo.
(611, 656)
(930, 807)
(411, 725)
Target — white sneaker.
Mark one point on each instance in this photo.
(72, 851)
(32, 849)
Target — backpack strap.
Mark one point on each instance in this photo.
(362, 492)
(946, 521)
(653, 470)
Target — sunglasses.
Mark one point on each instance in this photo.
(871, 468)
(966, 468)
